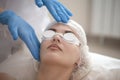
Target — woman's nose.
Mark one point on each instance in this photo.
(57, 38)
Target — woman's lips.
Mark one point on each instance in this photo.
(55, 47)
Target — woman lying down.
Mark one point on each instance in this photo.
(64, 55)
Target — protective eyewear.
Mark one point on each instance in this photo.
(68, 37)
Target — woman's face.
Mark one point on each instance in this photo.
(57, 51)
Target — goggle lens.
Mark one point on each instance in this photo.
(69, 37)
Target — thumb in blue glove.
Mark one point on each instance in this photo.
(19, 28)
(57, 10)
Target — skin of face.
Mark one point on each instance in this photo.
(57, 51)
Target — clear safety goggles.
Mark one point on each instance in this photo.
(68, 37)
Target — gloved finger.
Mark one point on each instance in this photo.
(37, 47)
(53, 12)
(63, 15)
(32, 43)
(39, 3)
(13, 32)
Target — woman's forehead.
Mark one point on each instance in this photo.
(62, 27)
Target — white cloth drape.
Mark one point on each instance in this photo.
(23, 67)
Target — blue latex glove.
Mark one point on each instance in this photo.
(19, 28)
(57, 10)
(39, 3)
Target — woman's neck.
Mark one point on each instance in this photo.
(54, 73)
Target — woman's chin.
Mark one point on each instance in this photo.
(53, 56)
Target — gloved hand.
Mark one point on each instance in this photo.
(57, 10)
(19, 28)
